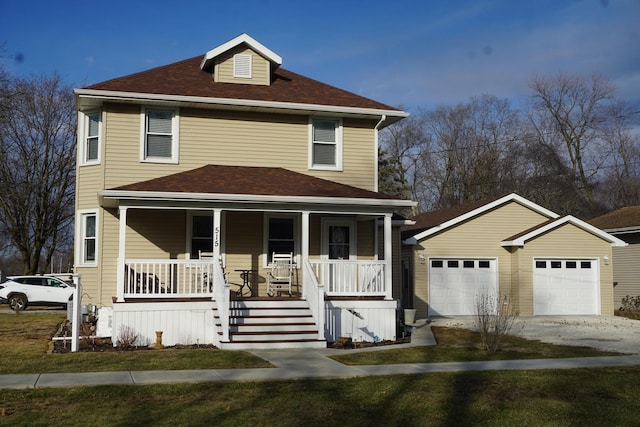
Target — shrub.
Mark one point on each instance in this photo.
(494, 320)
(631, 303)
(127, 338)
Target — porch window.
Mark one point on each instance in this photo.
(281, 236)
(325, 151)
(91, 145)
(159, 136)
(87, 227)
(201, 234)
(339, 239)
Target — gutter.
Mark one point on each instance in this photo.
(376, 128)
(250, 104)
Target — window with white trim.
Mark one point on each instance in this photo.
(280, 235)
(90, 148)
(88, 225)
(159, 136)
(242, 65)
(325, 144)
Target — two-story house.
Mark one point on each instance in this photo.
(192, 176)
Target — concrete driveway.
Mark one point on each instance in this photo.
(609, 333)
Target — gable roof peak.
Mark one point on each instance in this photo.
(236, 41)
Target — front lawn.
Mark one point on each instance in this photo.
(458, 345)
(25, 344)
(572, 397)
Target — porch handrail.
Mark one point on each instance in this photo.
(314, 293)
(168, 278)
(223, 301)
(352, 277)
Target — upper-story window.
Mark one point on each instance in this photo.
(325, 151)
(159, 136)
(242, 66)
(90, 149)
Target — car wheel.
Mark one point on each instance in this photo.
(18, 302)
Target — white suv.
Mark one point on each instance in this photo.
(21, 291)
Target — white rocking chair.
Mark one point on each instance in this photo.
(281, 274)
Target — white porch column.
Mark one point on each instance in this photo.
(304, 250)
(217, 233)
(122, 234)
(388, 254)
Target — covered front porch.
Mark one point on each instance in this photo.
(340, 241)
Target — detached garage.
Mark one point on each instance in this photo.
(512, 249)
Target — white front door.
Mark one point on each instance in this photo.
(339, 239)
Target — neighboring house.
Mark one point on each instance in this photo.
(190, 176)
(512, 249)
(623, 223)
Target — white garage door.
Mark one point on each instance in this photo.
(454, 284)
(565, 286)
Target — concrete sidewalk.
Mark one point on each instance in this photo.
(303, 364)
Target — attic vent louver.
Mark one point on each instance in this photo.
(242, 66)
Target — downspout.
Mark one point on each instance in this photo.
(376, 129)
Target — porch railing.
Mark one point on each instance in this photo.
(168, 278)
(313, 292)
(352, 278)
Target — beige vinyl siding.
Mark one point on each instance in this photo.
(89, 181)
(567, 241)
(480, 237)
(224, 138)
(260, 68)
(156, 234)
(626, 272)
(365, 239)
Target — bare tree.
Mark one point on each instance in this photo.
(400, 167)
(37, 172)
(473, 152)
(568, 114)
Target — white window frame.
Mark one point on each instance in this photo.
(175, 136)
(81, 227)
(296, 236)
(84, 132)
(242, 65)
(338, 144)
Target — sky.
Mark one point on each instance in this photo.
(413, 54)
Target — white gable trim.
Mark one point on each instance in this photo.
(242, 38)
(479, 211)
(520, 241)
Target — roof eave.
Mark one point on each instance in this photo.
(241, 104)
(117, 195)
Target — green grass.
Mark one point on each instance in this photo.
(25, 341)
(572, 397)
(594, 397)
(456, 345)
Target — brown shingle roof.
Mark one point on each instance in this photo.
(621, 218)
(185, 78)
(250, 180)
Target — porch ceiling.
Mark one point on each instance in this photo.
(216, 184)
